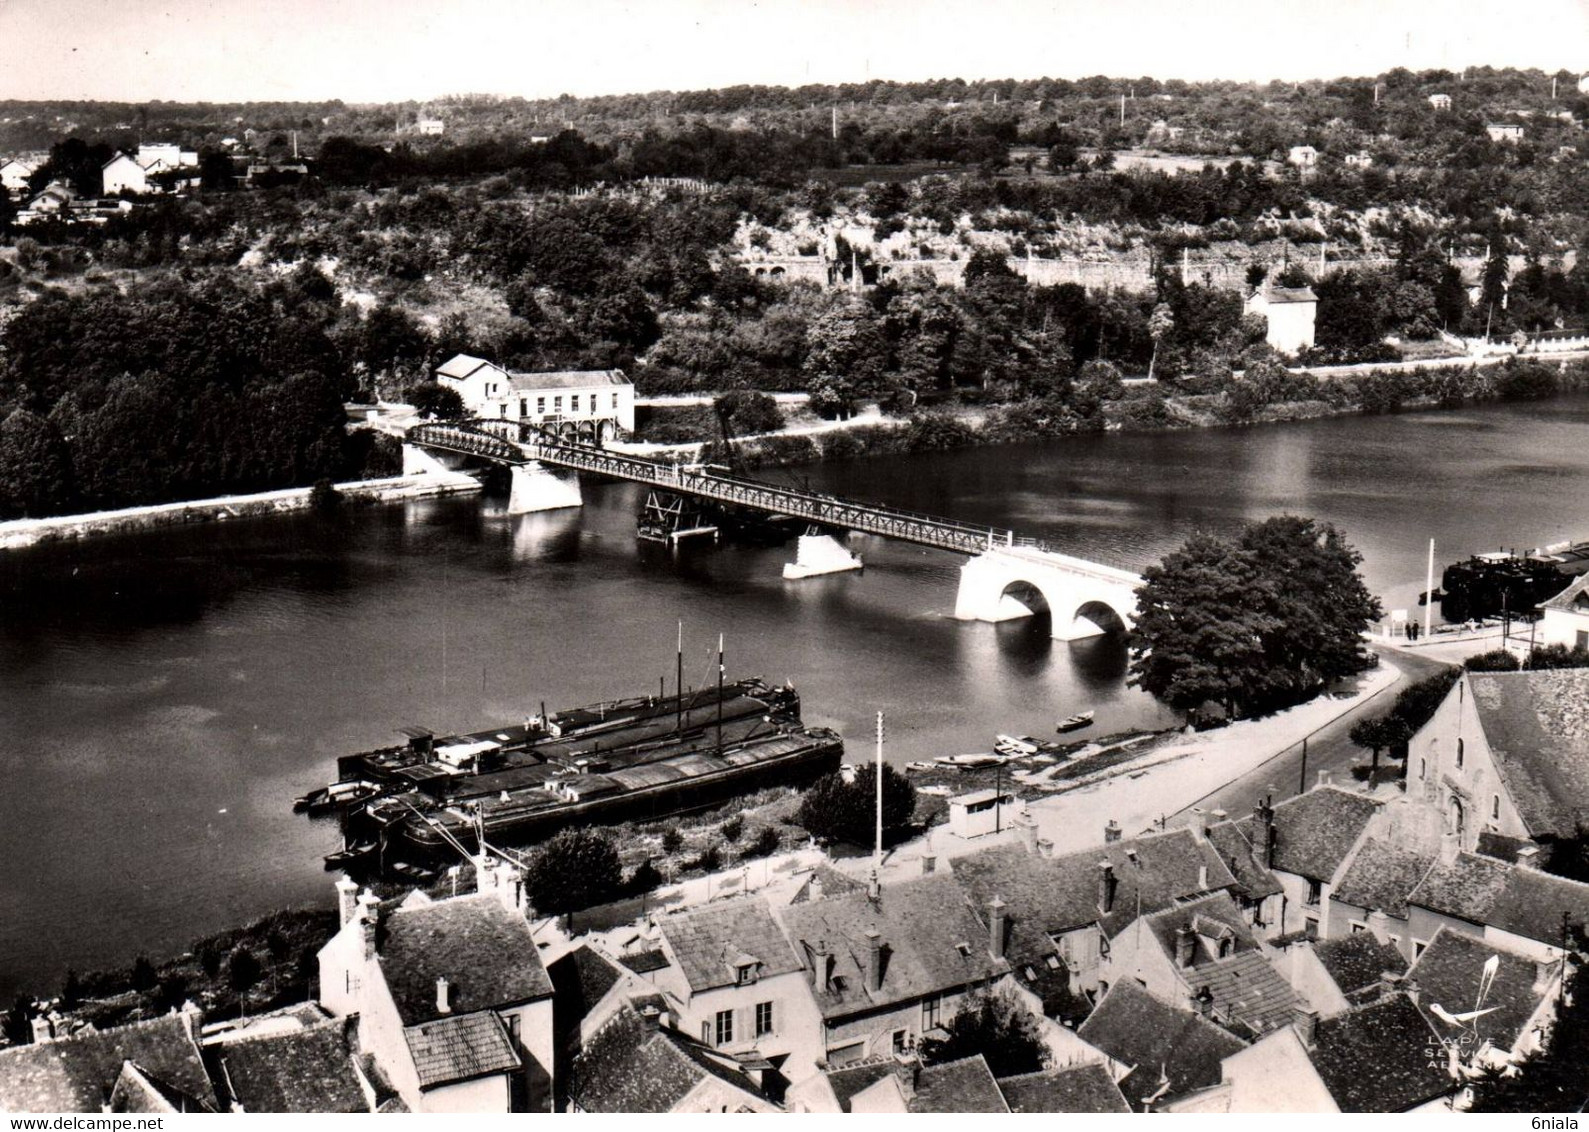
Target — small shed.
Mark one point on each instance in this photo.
(981, 812)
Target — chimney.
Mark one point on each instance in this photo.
(43, 1029)
(1379, 926)
(443, 996)
(1027, 828)
(1389, 983)
(652, 1017)
(1203, 1002)
(369, 921)
(929, 864)
(1326, 778)
(819, 964)
(1305, 1020)
(1202, 878)
(1528, 857)
(996, 920)
(1544, 974)
(485, 876)
(1449, 847)
(1111, 831)
(1274, 841)
(874, 960)
(1410, 985)
(347, 900)
(1106, 886)
(1045, 847)
(510, 887)
(1199, 823)
(1185, 946)
(814, 889)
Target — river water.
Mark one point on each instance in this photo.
(164, 696)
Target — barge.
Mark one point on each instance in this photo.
(1500, 584)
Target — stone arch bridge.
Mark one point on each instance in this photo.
(1006, 577)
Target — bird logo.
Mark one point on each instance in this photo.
(1458, 1020)
(1468, 1018)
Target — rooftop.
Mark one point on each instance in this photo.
(1377, 1058)
(1357, 961)
(958, 1086)
(1466, 887)
(629, 1067)
(848, 1080)
(1244, 860)
(1161, 1041)
(566, 379)
(931, 942)
(580, 980)
(1573, 599)
(1382, 874)
(1290, 294)
(1081, 1088)
(307, 1070)
(1537, 727)
(1450, 973)
(74, 1074)
(1512, 898)
(460, 1047)
(1315, 831)
(707, 942)
(484, 951)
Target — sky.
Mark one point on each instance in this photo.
(398, 50)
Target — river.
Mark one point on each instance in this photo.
(164, 696)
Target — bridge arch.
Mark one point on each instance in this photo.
(1080, 598)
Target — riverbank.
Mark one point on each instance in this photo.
(15, 534)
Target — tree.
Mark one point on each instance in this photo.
(35, 467)
(575, 869)
(1000, 1029)
(1252, 625)
(435, 401)
(143, 974)
(1160, 323)
(243, 970)
(1379, 733)
(841, 809)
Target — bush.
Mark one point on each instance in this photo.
(709, 860)
(764, 844)
(841, 810)
(575, 869)
(645, 878)
(243, 970)
(672, 839)
(1558, 656)
(733, 827)
(1496, 660)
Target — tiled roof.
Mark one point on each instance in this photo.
(580, 980)
(1082, 1088)
(74, 1074)
(1466, 887)
(1160, 1040)
(1537, 727)
(1382, 874)
(1449, 973)
(460, 366)
(484, 951)
(1315, 831)
(1050, 896)
(834, 883)
(1531, 904)
(300, 1071)
(644, 962)
(627, 1067)
(706, 941)
(566, 379)
(1500, 846)
(1358, 960)
(931, 943)
(1249, 995)
(460, 1047)
(1244, 860)
(958, 1086)
(1290, 294)
(1377, 1058)
(136, 1092)
(1574, 599)
(848, 1080)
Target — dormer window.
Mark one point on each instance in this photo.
(746, 973)
(964, 949)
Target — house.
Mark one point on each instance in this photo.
(153, 1066)
(885, 969)
(1303, 156)
(1515, 906)
(166, 157)
(430, 127)
(1440, 101)
(899, 1085)
(734, 980)
(1508, 753)
(305, 1068)
(1380, 1057)
(1359, 160)
(982, 812)
(1201, 955)
(1158, 1052)
(452, 998)
(1565, 619)
(1508, 132)
(1356, 965)
(581, 404)
(1257, 891)
(589, 989)
(1290, 312)
(15, 171)
(1064, 911)
(123, 174)
(1307, 839)
(1370, 896)
(1512, 997)
(636, 1063)
(1079, 1088)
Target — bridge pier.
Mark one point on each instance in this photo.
(820, 554)
(537, 488)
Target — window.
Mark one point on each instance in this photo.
(1583, 640)
(540, 406)
(929, 1012)
(557, 404)
(963, 948)
(524, 406)
(725, 1027)
(901, 1040)
(615, 405)
(1423, 767)
(1030, 973)
(746, 973)
(763, 1018)
(503, 409)
(513, 1022)
(573, 403)
(1358, 928)
(1417, 947)
(1495, 807)
(1314, 891)
(1053, 962)
(1310, 928)
(1459, 754)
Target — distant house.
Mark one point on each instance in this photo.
(734, 981)
(1360, 160)
(1290, 312)
(635, 1063)
(123, 174)
(145, 1067)
(1440, 101)
(1381, 1057)
(1504, 131)
(903, 1085)
(1333, 975)
(430, 127)
(165, 157)
(1303, 156)
(15, 171)
(453, 1001)
(981, 812)
(1159, 1053)
(885, 971)
(1566, 617)
(581, 404)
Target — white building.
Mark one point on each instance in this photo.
(1566, 617)
(1440, 101)
(593, 405)
(15, 171)
(1290, 312)
(123, 174)
(981, 812)
(1504, 131)
(430, 127)
(1303, 156)
(164, 156)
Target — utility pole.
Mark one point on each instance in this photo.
(1122, 110)
(877, 850)
(1429, 589)
(678, 668)
(719, 693)
(1302, 780)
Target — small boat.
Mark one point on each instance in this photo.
(1010, 745)
(413, 874)
(919, 765)
(342, 858)
(969, 762)
(1075, 722)
(337, 796)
